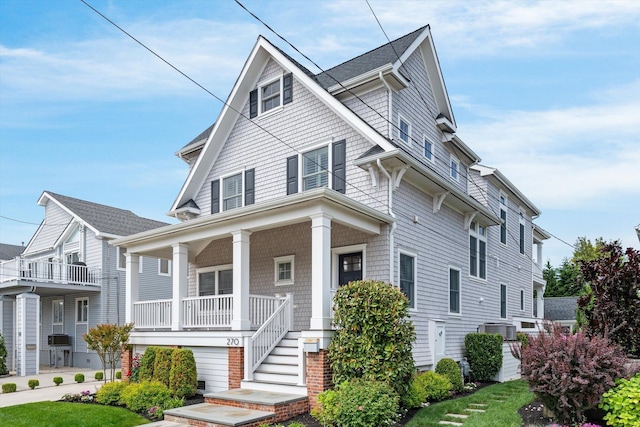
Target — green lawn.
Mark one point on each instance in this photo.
(502, 400)
(65, 414)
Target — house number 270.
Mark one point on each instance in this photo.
(233, 341)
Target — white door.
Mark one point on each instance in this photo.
(440, 341)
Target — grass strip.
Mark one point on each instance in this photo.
(515, 394)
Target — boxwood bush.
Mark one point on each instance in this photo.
(109, 393)
(33, 383)
(139, 397)
(9, 387)
(622, 403)
(183, 378)
(79, 378)
(450, 369)
(57, 380)
(415, 396)
(99, 376)
(484, 354)
(436, 386)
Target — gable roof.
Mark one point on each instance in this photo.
(8, 251)
(263, 50)
(508, 185)
(104, 220)
(560, 308)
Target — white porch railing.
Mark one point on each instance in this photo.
(208, 312)
(268, 336)
(262, 307)
(152, 314)
(49, 272)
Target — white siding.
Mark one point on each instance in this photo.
(212, 364)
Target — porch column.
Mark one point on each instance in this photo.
(320, 272)
(180, 283)
(132, 281)
(240, 320)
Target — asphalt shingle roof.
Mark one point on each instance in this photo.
(8, 251)
(107, 219)
(560, 308)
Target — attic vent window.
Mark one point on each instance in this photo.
(270, 95)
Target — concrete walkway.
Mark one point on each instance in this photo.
(47, 390)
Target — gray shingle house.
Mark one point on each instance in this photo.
(561, 310)
(307, 181)
(68, 279)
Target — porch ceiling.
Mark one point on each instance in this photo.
(15, 287)
(292, 209)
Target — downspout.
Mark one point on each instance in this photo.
(390, 103)
(392, 230)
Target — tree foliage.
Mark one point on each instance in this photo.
(374, 336)
(3, 357)
(612, 305)
(107, 340)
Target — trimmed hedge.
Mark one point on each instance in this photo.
(147, 363)
(162, 365)
(436, 386)
(79, 378)
(450, 369)
(9, 387)
(110, 393)
(484, 354)
(57, 380)
(33, 383)
(99, 376)
(183, 378)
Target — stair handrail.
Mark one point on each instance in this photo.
(267, 337)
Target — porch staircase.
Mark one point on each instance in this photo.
(274, 395)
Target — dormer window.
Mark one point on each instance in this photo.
(270, 95)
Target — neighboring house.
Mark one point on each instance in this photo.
(8, 252)
(303, 184)
(69, 279)
(561, 310)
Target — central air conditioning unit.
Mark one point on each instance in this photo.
(507, 331)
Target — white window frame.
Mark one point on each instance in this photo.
(413, 300)
(454, 160)
(459, 312)
(506, 300)
(328, 145)
(221, 195)
(522, 234)
(522, 303)
(55, 304)
(401, 119)
(335, 256)
(276, 267)
(85, 312)
(504, 208)
(426, 141)
(264, 84)
(160, 273)
(120, 251)
(217, 269)
(474, 231)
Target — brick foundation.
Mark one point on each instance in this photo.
(319, 375)
(125, 362)
(236, 366)
(283, 411)
(197, 423)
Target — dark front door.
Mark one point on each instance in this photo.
(350, 267)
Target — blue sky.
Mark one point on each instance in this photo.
(547, 92)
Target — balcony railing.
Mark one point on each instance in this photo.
(152, 314)
(208, 312)
(49, 272)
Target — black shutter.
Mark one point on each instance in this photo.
(215, 196)
(287, 89)
(249, 183)
(338, 165)
(253, 103)
(292, 174)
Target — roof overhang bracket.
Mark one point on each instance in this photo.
(373, 173)
(437, 201)
(398, 173)
(468, 217)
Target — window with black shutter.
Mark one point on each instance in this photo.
(292, 174)
(249, 184)
(215, 196)
(338, 165)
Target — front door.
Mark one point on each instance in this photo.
(349, 267)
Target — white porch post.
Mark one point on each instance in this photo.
(240, 320)
(132, 285)
(180, 283)
(320, 272)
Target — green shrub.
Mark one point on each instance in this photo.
(110, 393)
(118, 375)
(358, 403)
(3, 357)
(484, 354)
(33, 384)
(374, 335)
(146, 364)
(522, 338)
(183, 378)
(450, 369)
(57, 380)
(415, 396)
(9, 387)
(79, 378)
(99, 376)
(622, 403)
(436, 386)
(140, 397)
(162, 365)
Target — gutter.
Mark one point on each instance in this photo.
(390, 103)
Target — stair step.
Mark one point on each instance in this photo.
(267, 386)
(279, 359)
(293, 335)
(288, 342)
(285, 351)
(218, 414)
(269, 368)
(276, 378)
